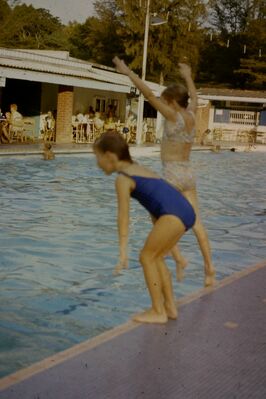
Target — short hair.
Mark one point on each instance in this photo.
(13, 106)
(177, 92)
(113, 142)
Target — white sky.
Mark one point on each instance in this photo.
(66, 10)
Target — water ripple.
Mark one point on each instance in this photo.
(58, 243)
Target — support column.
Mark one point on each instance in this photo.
(64, 114)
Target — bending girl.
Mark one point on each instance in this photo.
(178, 136)
(172, 215)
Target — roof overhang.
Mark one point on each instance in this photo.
(44, 77)
(58, 68)
(232, 98)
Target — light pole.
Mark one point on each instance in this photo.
(155, 21)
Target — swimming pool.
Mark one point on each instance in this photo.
(58, 243)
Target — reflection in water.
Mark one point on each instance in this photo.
(59, 245)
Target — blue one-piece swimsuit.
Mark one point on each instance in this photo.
(161, 198)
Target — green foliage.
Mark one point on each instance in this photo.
(252, 70)
(97, 39)
(5, 10)
(170, 43)
(77, 35)
(118, 29)
(243, 26)
(27, 27)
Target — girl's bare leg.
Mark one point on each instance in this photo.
(181, 262)
(202, 237)
(164, 235)
(167, 288)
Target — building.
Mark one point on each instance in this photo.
(39, 81)
(232, 114)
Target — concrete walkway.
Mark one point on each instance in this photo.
(215, 350)
(75, 149)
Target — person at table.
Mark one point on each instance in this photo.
(16, 121)
(5, 137)
(91, 112)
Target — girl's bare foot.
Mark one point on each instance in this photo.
(209, 277)
(150, 316)
(171, 310)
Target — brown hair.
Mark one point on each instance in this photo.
(177, 92)
(14, 106)
(113, 142)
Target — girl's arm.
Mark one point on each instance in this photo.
(123, 197)
(185, 72)
(163, 108)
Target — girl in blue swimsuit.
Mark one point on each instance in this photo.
(171, 212)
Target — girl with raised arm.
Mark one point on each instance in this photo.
(171, 212)
(178, 136)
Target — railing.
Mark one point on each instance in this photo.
(244, 118)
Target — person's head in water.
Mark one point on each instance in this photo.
(110, 150)
(47, 146)
(176, 93)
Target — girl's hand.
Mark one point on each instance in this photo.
(122, 264)
(121, 66)
(184, 70)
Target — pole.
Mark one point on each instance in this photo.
(143, 76)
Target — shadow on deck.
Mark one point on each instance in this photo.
(216, 349)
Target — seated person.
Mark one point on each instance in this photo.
(50, 121)
(49, 127)
(16, 122)
(80, 118)
(111, 114)
(98, 122)
(91, 112)
(5, 136)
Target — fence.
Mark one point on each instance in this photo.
(246, 118)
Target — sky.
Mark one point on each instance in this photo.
(66, 10)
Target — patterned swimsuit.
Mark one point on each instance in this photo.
(179, 173)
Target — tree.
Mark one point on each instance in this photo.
(77, 34)
(168, 44)
(5, 10)
(252, 70)
(97, 39)
(28, 27)
(236, 54)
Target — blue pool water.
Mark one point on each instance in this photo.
(58, 243)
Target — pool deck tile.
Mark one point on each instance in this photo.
(215, 350)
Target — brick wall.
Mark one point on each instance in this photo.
(64, 114)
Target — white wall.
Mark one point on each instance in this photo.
(83, 98)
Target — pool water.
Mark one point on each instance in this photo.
(59, 245)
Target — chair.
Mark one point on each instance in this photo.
(16, 131)
(29, 129)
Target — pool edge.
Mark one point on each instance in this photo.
(91, 343)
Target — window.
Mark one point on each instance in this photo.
(100, 105)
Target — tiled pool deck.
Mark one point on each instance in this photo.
(216, 349)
